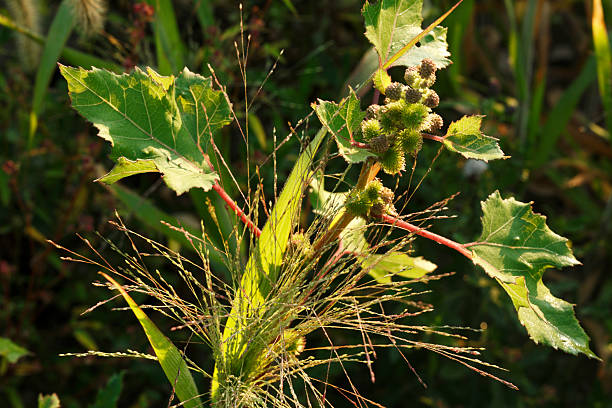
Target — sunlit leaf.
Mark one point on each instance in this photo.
(154, 123)
(515, 248)
(11, 351)
(48, 401)
(383, 267)
(465, 137)
(391, 24)
(342, 120)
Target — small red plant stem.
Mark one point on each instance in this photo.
(433, 137)
(234, 207)
(426, 234)
(360, 145)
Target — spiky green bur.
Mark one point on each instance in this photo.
(394, 91)
(413, 95)
(393, 161)
(410, 141)
(372, 190)
(431, 99)
(372, 111)
(400, 115)
(432, 123)
(427, 68)
(391, 117)
(414, 115)
(370, 129)
(410, 75)
(358, 204)
(379, 144)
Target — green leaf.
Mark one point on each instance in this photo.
(48, 401)
(515, 248)
(392, 24)
(383, 267)
(262, 269)
(11, 351)
(154, 123)
(465, 137)
(168, 355)
(342, 120)
(381, 80)
(60, 30)
(108, 396)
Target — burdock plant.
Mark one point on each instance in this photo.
(344, 269)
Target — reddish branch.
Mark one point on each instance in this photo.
(426, 234)
(433, 137)
(234, 207)
(231, 204)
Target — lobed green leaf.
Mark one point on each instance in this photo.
(154, 123)
(383, 267)
(342, 120)
(515, 248)
(465, 137)
(392, 24)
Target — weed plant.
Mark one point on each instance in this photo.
(343, 267)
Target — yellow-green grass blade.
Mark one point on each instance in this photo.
(264, 265)
(60, 30)
(168, 355)
(601, 43)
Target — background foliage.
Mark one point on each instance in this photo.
(515, 62)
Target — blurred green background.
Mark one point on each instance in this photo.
(529, 66)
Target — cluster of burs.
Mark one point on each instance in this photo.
(394, 130)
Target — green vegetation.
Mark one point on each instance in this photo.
(286, 269)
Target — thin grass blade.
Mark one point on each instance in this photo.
(60, 30)
(169, 47)
(562, 112)
(604, 61)
(168, 355)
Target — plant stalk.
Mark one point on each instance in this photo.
(234, 207)
(396, 222)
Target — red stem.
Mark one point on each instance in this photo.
(359, 145)
(426, 234)
(433, 137)
(234, 207)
